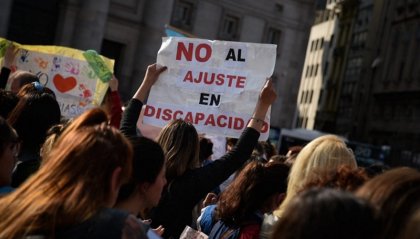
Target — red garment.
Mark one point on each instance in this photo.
(251, 231)
(116, 111)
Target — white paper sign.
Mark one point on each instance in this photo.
(213, 84)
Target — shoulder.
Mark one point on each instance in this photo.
(134, 229)
(250, 231)
(267, 226)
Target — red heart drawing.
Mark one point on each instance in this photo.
(64, 84)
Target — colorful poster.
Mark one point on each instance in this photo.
(67, 72)
(213, 84)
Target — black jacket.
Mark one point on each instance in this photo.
(184, 192)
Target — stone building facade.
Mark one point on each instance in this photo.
(374, 86)
(130, 31)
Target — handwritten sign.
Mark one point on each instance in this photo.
(66, 72)
(213, 84)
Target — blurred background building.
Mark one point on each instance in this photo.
(365, 86)
(349, 67)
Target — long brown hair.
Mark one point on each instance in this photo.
(179, 141)
(36, 111)
(92, 117)
(396, 193)
(250, 189)
(70, 187)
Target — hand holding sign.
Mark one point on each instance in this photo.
(152, 74)
(267, 96)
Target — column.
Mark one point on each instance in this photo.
(90, 26)
(5, 11)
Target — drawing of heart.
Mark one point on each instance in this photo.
(64, 84)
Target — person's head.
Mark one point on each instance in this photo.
(343, 178)
(259, 153)
(19, 79)
(51, 138)
(9, 148)
(91, 117)
(269, 149)
(179, 141)
(411, 230)
(324, 153)
(292, 154)
(257, 187)
(278, 158)
(148, 175)
(230, 143)
(396, 193)
(8, 101)
(327, 214)
(36, 111)
(206, 149)
(82, 174)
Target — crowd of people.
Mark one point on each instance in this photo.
(96, 176)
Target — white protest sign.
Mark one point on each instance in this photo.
(213, 84)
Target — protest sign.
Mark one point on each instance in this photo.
(213, 84)
(79, 79)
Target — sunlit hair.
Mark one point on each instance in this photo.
(179, 141)
(71, 186)
(21, 78)
(411, 229)
(323, 153)
(396, 193)
(327, 214)
(250, 190)
(36, 111)
(92, 117)
(343, 178)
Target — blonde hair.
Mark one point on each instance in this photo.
(323, 153)
(180, 143)
(72, 185)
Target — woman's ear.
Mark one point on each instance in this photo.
(115, 185)
(143, 187)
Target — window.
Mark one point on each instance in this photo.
(273, 36)
(310, 96)
(326, 68)
(316, 70)
(230, 28)
(114, 50)
(182, 14)
(331, 40)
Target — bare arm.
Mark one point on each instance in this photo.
(132, 112)
(152, 74)
(267, 97)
